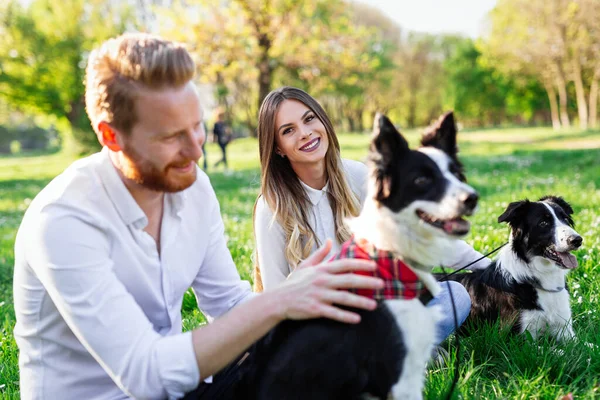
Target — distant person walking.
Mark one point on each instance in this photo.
(204, 158)
(222, 135)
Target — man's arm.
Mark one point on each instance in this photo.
(312, 291)
(70, 255)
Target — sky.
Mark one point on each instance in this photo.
(437, 16)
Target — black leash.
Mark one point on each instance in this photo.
(471, 263)
(457, 363)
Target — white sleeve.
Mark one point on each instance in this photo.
(270, 246)
(218, 286)
(357, 174)
(465, 254)
(70, 254)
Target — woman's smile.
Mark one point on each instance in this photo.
(311, 145)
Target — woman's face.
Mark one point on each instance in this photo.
(299, 134)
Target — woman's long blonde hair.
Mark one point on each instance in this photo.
(282, 189)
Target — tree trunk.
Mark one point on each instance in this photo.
(351, 122)
(594, 101)
(561, 86)
(582, 109)
(265, 70)
(553, 105)
(360, 126)
(412, 108)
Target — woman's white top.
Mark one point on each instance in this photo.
(271, 242)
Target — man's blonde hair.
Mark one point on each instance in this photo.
(123, 66)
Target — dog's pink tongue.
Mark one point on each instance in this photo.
(456, 226)
(568, 259)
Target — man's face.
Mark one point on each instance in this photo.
(165, 144)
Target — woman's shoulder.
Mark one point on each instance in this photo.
(264, 216)
(262, 208)
(355, 170)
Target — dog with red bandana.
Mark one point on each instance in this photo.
(411, 220)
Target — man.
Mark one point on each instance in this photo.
(106, 251)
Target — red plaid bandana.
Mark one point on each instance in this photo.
(400, 281)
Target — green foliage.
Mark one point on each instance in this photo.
(483, 95)
(504, 165)
(43, 51)
(253, 46)
(6, 138)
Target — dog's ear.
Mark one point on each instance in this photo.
(514, 212)
(387, 141)
(442, 135)
(387, 145)
(559, 201)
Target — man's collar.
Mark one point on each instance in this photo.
(127, 207)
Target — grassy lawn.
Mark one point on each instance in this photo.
(504, 165)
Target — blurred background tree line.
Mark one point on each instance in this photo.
(537, 64)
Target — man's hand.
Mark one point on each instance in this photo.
(312, 290)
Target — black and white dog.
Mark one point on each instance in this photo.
(525, 286)
(414, 211)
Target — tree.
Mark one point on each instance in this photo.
(483, 95)
(43, 50)
(245, 46)
(554, 40)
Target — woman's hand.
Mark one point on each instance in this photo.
(313, 289)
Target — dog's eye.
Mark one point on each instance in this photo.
(543, 224)
(422, 181)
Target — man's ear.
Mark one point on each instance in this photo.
(108, 136)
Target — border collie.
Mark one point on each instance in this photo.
(413, 213)
(525, 286)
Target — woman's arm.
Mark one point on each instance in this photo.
(270, 246)
(465, 254)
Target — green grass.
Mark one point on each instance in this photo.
(504, 165)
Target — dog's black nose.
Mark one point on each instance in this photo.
(575, 241)
(470, 201)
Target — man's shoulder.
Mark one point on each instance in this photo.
(77, 186)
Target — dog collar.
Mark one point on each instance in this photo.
(557, 290)
(400, 281)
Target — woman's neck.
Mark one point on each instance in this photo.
(312, 175)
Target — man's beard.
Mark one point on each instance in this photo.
(146, 174)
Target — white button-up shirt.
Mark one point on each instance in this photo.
(270, 238)
(98, 309)
(271, 241)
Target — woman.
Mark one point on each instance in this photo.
(308, 190)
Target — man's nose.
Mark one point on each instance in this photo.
(193, 147)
